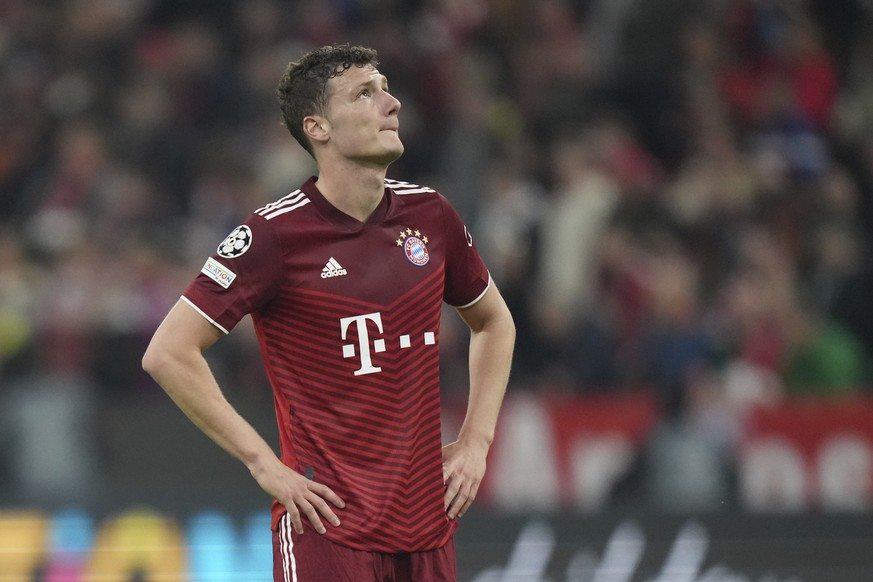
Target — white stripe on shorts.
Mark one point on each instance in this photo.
(286, 546)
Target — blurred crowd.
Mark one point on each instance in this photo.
(674, 195)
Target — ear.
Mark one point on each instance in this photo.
(317, 128)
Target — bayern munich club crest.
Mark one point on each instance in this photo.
(414, 245)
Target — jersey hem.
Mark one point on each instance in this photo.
(476, 300)
(283, 521)
(201, 312)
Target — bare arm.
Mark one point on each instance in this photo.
(174, 358)
(491, 344)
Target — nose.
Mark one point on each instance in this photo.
(393, 104)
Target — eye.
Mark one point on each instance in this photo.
(364, 93)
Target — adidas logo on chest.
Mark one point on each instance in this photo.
(333, 269)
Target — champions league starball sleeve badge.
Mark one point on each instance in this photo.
(236, 243)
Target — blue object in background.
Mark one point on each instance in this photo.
(217, 552)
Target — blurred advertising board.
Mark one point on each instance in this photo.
(143, 545)
(808, 454)
(565, 500)
(666, 548)
(562, 451)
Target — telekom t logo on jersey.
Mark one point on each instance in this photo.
(366, 348)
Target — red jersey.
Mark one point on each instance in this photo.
(348, 318)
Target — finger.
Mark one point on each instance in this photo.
(467, 504)
(312, 515)
(296, 522)
(324, 509)
(325, 492)
(460, 498)
(451, 490)
(474, 489)
(457, 504)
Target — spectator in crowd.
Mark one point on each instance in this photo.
(581, 204)
(132, 133)
(508, 227)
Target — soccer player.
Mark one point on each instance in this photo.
(345, 279)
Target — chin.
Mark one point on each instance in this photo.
(392, 154)
(399, 151)
(383, 155)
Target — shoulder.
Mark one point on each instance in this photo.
(266, 227)
(410, 191)
(285, 216)
(411, 194)
(284, 206)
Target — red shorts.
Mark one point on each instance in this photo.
(312, 558)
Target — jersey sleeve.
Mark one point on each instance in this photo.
(467, 277)
(242, 275)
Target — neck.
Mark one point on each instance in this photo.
(355, 190)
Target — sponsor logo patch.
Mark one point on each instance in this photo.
(218, 272)
(236, 243)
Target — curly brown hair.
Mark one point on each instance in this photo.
(302, 90)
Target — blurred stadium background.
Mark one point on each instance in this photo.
(676, 197)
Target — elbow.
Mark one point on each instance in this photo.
(510, 329)
(154, 360)
(507, 322)
(502, 329)
(149, 362)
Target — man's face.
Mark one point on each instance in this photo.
(362, 117)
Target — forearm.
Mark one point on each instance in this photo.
(490, 361)
(491, 345)
(186, 378)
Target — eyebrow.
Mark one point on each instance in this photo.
(381, 81)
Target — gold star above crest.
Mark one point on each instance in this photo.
(408, 232)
